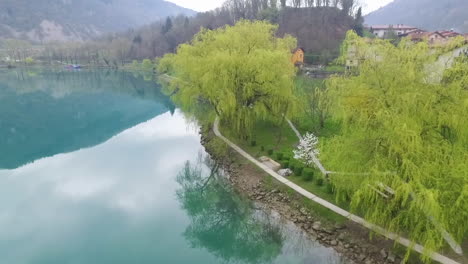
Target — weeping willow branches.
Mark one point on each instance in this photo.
(394, 120)
(243, 72)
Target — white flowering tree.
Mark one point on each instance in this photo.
(307, 150)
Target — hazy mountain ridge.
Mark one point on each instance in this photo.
(49, 20)
(426, 14)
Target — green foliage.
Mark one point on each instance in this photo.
(358, 26)
(402, 131)
(247, 74)
(29, 61)
(279, 155)
(325, 57)
(147, 65)
(335, 68)
(298, 168)
(253, 143)
(135, 64)
(308, 174)
(284, 164)
(368, 34)
(319, 181)
(167, 26)
(270, 14)
(292, 165)
(270, 152)
(215, 213)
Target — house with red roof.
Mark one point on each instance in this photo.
(436, 37)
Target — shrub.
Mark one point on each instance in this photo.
(147, 65)
(298, 169)
(284, 164)
(308, 174)
(262, 148)
(292, 165)
(270, 152)
(319, 181)
(279, 156)
(253, 143)
(330, 188)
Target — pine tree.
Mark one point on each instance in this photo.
(358, 23)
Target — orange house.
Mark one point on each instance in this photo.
(298, 57)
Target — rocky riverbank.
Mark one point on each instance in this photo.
(349, 239)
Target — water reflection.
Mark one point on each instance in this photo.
(110, 204)
(118, 202)
(45, 113)
(221, 221)
(235, 230)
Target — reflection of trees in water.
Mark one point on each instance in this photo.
(221, 221)
(61, 83)
(232, 229)
(53, 112)
(296, 242)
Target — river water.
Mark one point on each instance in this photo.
(99, 167)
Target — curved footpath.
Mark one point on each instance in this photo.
(395, 237)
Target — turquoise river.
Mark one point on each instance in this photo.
(99, 167)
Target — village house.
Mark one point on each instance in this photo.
(382, 31)
(436, 37)
(298, 57)
(431, 37)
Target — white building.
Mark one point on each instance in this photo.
(381, 31)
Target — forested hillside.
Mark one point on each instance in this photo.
(319, 28)
(65, 20)
(427, 14)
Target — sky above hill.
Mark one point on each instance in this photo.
(205, 5)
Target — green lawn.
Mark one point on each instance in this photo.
(266, 138)
(265, 135)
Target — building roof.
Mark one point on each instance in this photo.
(389, 27)
(414, 31)
(297, 49)
(418, 36)
(449, 33)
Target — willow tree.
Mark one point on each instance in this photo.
(402, 153)
(244, 72)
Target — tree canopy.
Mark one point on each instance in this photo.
(243, 72)
(403, 132)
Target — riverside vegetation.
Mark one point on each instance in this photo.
(397, 142)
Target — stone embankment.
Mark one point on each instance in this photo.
(350, 240)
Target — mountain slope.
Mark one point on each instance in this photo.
(51, 20)
(426, 14)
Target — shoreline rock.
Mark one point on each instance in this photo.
(334, 235)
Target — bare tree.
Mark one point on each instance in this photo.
(309, 3)
(273, 3)
(283, 3)
(296, 3)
